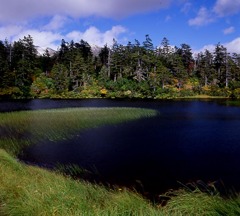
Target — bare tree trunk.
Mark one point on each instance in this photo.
(120, 74)
(226, 72)
(205, 80)
(109, 64)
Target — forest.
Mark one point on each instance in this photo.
(135, 70)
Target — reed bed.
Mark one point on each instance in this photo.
(19, 129)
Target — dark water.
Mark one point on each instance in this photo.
(188, 141)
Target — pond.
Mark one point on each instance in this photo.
(188, 141)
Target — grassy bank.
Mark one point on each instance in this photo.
(27, 190)
(202, 96)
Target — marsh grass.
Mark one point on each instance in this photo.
(19, 129)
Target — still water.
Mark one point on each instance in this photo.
(188, 141)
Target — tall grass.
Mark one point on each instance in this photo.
(29, 127)
(26, 190)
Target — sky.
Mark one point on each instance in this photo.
(201, 24)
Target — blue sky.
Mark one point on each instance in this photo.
(201, 24)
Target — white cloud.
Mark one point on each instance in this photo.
(203, 17)
(57, 22)
(186, 7)
(232, 47)
(227, 7)
(7, 32)
(12, 10)
(95, 37)
(229, 30)
(43, 39)
(47, 38)
(168, 18)
(220, 9)
(209, 47)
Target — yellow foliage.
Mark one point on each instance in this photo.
(128, 92)
(103, 91)
(206, 88)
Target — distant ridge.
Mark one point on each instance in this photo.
(42, 50)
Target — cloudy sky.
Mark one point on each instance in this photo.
(201, 24)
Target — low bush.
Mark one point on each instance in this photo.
(236, 93)
(220, 92)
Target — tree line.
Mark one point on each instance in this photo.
(132, 70)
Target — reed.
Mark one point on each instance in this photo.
(19, 129)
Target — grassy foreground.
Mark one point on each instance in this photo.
(27, 190)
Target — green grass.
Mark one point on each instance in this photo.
(202, 96)
(27, 190)
(19, 129)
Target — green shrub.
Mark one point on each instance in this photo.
(11, 92)
(236, 93)
(220, 92)
(165, 93)
(186, 92)
(234, 85)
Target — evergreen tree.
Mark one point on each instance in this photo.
(236, 67)
(59, 74)
(3, 63)
(178, 69)
(105, 59)
(165, 49)
(148, 44)
(220, 62)
(159, 76)
(148, 54)
(139, 73)
(117, 60)
(205, 68)
(23, 64)
(63, 50)
(103, 55)
(79, 73)
(23, 76)
(46, 62)
(29, 51)
(185, 53)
